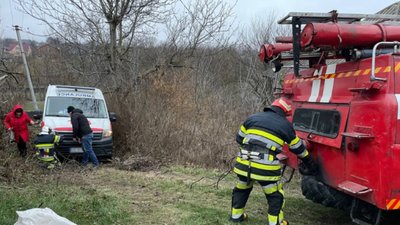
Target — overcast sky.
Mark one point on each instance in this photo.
(245, 11)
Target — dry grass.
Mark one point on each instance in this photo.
(172, 117)
(168, 195)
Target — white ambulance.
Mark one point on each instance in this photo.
(91, 102)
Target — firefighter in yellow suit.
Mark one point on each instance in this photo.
(45, 147)
(261, 138)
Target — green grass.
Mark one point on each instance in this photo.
(83, 205)
(173, 195)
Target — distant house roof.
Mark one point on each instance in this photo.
(13, 45)
(10, 46)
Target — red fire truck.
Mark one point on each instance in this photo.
(348, 111)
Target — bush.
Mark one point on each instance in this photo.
(177, 117)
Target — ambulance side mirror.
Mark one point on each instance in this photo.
(36, 115)
(112, 116)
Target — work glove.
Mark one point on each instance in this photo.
(308, 166)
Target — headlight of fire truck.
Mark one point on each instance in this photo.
(107, 133)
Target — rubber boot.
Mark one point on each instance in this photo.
(242, 218)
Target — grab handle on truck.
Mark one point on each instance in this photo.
(395, 43)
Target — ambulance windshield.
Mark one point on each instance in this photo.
(92, 108)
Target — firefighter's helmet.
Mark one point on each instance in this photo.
(284, 104)
(45, 130)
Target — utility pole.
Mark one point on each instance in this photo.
(27, 73)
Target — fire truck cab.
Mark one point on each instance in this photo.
(345, 93)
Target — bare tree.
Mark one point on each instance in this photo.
(263, 30)
(198, 25)
(106, 28)
(193, 88)
(258, 77)
(5, 72)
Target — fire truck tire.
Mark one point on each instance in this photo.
(321, 193)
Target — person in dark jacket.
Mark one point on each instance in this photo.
(16, 122)
(83, 134)
(261, 137)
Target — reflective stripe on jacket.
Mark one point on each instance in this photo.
(44, 145)
(268, 130)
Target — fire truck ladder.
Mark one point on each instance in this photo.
(296, 19)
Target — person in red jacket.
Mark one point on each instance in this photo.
(17, 122)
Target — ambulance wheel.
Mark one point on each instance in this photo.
(105, 159)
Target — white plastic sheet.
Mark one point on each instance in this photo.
(41, 216)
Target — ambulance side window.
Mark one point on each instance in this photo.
(321, 122)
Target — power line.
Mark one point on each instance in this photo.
(23, 16)
(38, 35)
(11, 12)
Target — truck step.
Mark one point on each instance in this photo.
(354, 188)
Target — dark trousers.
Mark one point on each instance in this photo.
(274, 196)
(21, 145)
(88, 153)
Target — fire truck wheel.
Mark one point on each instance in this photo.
(318, 192)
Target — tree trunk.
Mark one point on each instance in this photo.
(113, 47)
